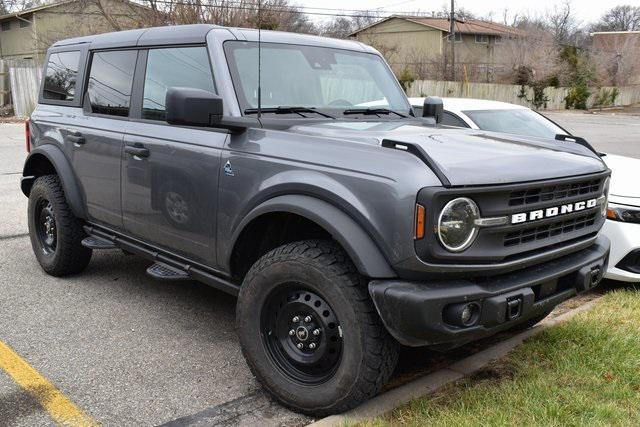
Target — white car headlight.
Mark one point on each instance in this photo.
(623, 213)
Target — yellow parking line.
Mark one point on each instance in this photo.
(59, 407)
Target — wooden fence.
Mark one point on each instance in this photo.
(511, 93)
(24, 83)
(20, 82)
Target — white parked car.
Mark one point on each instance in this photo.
(623, 213)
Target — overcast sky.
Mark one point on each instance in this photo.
(586, 10)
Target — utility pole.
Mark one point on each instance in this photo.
(452, 41)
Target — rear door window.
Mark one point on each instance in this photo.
(60, 76)
(173, 67)
(110, 82)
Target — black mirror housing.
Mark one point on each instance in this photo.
(193, 107)
(433, 107)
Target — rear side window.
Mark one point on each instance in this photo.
(110, 82)
(60, 77)
(173, 67)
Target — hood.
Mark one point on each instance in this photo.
(624, 187)
(471, 157)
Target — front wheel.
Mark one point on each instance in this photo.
(309, 331)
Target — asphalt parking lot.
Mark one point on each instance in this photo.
(613, 133)
(128, 350)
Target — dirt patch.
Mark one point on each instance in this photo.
(495, 371)
(11, 119)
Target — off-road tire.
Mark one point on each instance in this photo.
(69, 256)
(368, 353)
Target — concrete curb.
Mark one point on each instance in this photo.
(391, 399)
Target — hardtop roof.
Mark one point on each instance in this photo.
(197, 33)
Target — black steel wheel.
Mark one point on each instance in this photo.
(46, 229)
(56, 234)
(302, 333)
(309, 331)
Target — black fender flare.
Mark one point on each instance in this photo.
(63, 169)
(364, 252)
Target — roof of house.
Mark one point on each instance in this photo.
(612, 33)
(34, 9)
(468, 26)
(50, 5)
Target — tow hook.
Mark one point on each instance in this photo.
(596, 275)
(589, 277)
(514, 308)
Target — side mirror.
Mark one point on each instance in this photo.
(433, 107)
(193, 107)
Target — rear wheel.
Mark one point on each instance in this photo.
(309, 331)
(54, 231)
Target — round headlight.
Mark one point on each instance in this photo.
(457, 227)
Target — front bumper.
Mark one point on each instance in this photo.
(626, 242)
(414, 312)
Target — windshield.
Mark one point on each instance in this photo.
(312, 77)
(521, 122)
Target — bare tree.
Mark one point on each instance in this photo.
(272, 14)
(341, 27)
(536, 52)
(460, 13)
(510, 19)
(617, 58)
(562, 22)
(619, 18)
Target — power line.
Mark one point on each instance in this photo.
(321, 11)
(353, 13)
(225, 4)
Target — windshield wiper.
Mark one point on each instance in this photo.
(375, 111)
(288, 110)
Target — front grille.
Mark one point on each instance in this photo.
(556, 228)
(522, 240)
(554, 192)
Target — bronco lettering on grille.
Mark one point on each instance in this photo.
(553, 211)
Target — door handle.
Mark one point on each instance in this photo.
(76, 138)
(136, 151)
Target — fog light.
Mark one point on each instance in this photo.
(467, 313)
(462, 315)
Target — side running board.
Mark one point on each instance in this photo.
(95, 242)
(420, 153)
(162, 271)
(166, 265)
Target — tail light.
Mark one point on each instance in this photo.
(27, 135)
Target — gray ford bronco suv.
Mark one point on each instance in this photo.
(291, 171)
